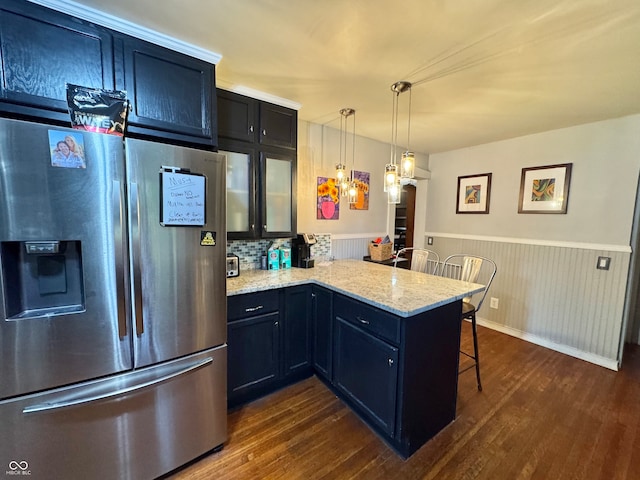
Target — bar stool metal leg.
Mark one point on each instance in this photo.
(475, 350)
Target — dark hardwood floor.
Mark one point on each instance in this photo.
(541, 415)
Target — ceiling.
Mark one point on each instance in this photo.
(482, 70)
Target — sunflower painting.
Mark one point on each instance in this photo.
(328, 204)
(362, 184)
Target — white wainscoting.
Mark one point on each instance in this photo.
(352, 245)
(552, 294)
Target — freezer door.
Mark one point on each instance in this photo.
(62, 257)
(137, 425)
(178, 249)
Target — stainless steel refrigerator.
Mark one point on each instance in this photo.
(112, 304)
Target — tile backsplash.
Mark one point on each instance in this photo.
(250, 251)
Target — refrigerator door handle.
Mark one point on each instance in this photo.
(136, 254)
(116, 202)
(110, 393)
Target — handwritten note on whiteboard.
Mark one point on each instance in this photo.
(183, 199)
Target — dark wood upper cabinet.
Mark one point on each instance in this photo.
(43, 50)
(169, 92)
(268, 209)
(251, 120)
(278, 126)
(236, 116)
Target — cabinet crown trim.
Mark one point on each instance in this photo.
(265, 97)
(129, 28)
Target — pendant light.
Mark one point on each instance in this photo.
(341, 168)
(348, 185)
(394, 172)
(407, 166)
(353, 186)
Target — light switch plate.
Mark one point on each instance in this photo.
(429, 240)
(603, 263)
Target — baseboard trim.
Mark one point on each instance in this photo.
(609, 363)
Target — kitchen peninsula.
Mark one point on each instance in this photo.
(402, 292)
(385, 340)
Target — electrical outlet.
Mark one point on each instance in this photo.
(494, 303)
(429, 240)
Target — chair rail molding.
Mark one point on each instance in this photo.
(534, 241)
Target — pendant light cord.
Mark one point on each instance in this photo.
(353, 158)
(409, 122)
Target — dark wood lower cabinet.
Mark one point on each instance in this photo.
(253, 363)
(297, 330)
(322, 336)
(269, 339)
(366, 371)
(398, 373)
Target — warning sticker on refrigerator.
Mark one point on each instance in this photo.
(208, 239)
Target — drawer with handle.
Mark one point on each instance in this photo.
(251, 304)
(378, 322)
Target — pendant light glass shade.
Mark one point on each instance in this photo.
(340, 171)
(344, 186)
(353, 191)
(394, 192)
(390, 176)
(407, 166)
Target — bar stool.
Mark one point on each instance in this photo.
(476, 269)
(422, 260)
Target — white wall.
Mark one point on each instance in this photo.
(550, 290)
(606, 160)
(318, 153)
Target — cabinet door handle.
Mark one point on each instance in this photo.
(362, 320)
(391, 362)
(264, 132)
(253, 309)
(251, 129)
(276, 323)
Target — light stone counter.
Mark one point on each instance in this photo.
(402, 292)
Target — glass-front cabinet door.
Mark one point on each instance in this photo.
(278, 187)
(241, 222)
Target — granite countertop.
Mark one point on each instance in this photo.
(399, 291)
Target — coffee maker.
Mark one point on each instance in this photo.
(301, 250)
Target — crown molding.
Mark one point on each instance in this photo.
(129, 28)
(267, 97)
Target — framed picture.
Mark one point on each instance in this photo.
(474, 192)
(362, 183)
(328, 204)
(545, 189)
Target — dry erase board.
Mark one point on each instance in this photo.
(183, 198)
